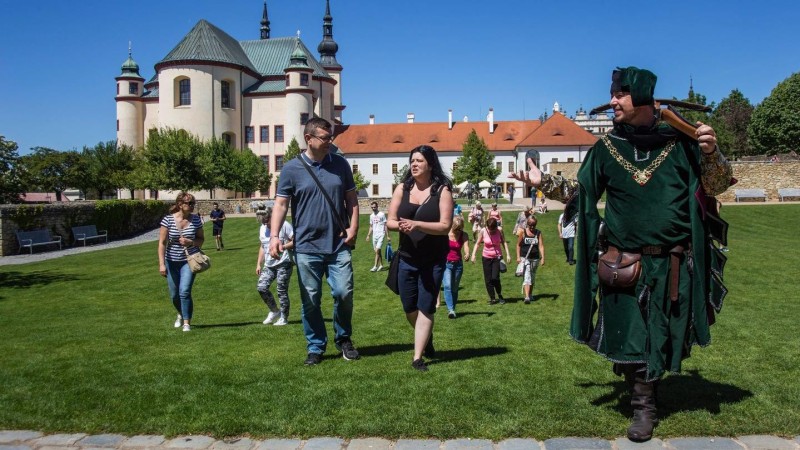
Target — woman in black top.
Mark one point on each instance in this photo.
(530, 248)
(422, 211)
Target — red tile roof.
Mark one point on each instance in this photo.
(558, 131)
(402, 137)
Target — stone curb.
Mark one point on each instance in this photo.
(34, 440)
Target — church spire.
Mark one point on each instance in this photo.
(328, 47)
(265, 23)
(691, 89)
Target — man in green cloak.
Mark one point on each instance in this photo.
(657, 183)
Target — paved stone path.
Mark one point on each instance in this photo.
(34, 440)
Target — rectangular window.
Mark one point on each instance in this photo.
(184, 88)
(279, 162)
(303, 118)
(455, 167)
(570, 159)
(394, 168)
(355, 168)
(264, 133)
(265, 160)
(225, 96)
(117, 88)
(499, 166)
(375, 189)
(249, 135)
(133, 88)
(117, 124)
(303, 79)
(554, 160)
(374, 169)
(511, 166)
(278, 133)
(287, 80)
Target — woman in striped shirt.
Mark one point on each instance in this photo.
(181, 232)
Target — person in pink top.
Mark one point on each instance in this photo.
(494, 213)
(459, 241)
(492, 240)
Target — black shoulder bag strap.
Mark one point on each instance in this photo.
(339, 221)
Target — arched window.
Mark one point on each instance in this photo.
(183, 91)
(228, 139)
(225, 94)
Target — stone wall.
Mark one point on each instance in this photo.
(60, 217)
(770, 176)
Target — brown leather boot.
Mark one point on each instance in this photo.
(643, 400)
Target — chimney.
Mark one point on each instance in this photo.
(410, 117)
(466, 119)
(449, 119)
(491, 120)
(372, 119)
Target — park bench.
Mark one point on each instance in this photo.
(740, 194)
(88, 232)
(788, 192)
(35, 238)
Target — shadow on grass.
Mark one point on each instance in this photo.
(20, 280)
(677, 393)
(461, 354)
(538, 297)
(225, 325)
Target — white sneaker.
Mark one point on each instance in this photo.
(271, 317)
(373, 269)
(178, 321)
(187, 327)
(281, 321)
(379, 269)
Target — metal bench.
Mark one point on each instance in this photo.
(788, 192)
(88, 232)
(740, 194)
(35, 238)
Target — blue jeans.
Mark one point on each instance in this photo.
(338, 270)
(180, 279)
(452, 278)
(569, 248)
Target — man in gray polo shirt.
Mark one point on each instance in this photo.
(321, 247)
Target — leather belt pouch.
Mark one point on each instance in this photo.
(619, 269)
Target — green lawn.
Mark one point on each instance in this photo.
(87, 344)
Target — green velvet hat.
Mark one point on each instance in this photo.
(640, 83)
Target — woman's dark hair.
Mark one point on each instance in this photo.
(491, 223)
(438, 178)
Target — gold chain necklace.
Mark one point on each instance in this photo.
(640, 176)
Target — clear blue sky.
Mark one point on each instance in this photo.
(58, 59)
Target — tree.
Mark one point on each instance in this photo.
(249, 172)
(217, 166)
(730, 120)
(50, 170)
(171, 161)
(10, 184)
(475, 163)
(398, 177)
(291, 151)
(105, 167)
(696, 116)
(775, 123)
(361, 183)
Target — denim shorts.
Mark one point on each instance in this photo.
(419, 284)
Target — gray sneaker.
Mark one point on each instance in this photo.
(349, 352)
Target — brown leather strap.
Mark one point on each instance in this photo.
(674, 271)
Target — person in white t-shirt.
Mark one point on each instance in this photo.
(270, 269)
(377, 228)
(566, 231)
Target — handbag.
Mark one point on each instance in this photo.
(503, 267)
(392, 281)
(619, 269)
(198, 262)
(389, 252)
